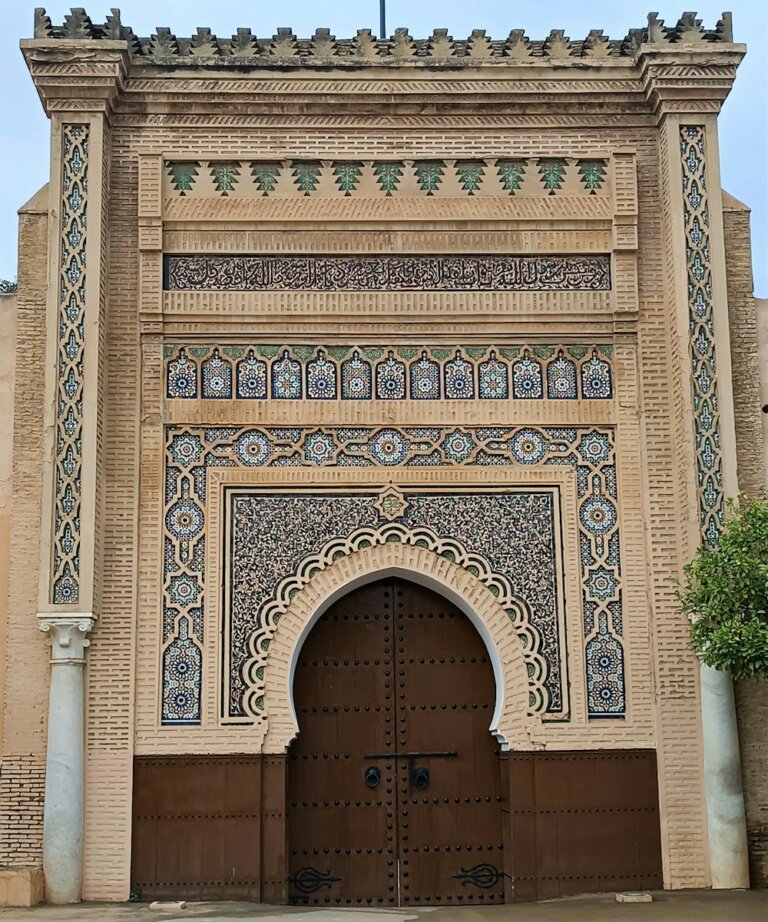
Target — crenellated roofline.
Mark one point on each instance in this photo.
(323, 48)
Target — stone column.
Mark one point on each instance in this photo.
(726, 819)
(65, 777)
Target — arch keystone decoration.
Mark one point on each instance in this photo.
(422, 557)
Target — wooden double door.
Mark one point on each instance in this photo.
(394, 781)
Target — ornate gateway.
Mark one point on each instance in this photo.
(374, 393)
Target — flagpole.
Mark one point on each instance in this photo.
(382, 18)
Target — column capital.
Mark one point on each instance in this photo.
(68, 634)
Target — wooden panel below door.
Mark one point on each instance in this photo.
(197, 828)
(584, 822)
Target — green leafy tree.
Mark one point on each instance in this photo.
(725, 593)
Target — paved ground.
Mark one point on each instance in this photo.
(689, 906)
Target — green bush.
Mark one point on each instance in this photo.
(726, 593)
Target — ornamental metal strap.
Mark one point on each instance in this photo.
(387, 273)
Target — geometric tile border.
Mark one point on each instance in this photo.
(706, 413)
(67, 493)
(262, 372)
(193, 450)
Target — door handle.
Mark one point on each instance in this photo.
(419, 777)
(372, 776)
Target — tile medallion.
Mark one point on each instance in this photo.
(290, 528)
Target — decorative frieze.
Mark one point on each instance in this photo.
(387, 273)
(191, 452)
(706, 413)
(273, 372)
(503, 176)
(68, 448)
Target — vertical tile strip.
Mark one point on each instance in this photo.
(65, 571)
(706, 413)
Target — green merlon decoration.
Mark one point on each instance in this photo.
(7, 287)
(470, 173)
(429, 174)
(592, 174)
(552, 174)
(183, 175)
(388, 175)
(265, 175)
(225, 176)
(306, 173)
(347, 176)
(511, 174)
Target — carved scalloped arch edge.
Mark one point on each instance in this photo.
(362, 539)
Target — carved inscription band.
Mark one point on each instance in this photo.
(387, 273)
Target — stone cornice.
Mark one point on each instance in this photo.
(84, 67)
(687, 79)
(77, 76)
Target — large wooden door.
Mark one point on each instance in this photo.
(394, 790)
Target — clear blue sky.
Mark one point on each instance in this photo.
(743, 123)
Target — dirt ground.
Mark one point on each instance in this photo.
(678, 906)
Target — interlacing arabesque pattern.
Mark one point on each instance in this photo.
(513, 552)
(706, 412)
(65, 563)
(275, 372)
(275, 534)
(192, 451)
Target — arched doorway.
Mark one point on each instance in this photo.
(394, 782)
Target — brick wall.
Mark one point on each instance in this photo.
(7, 363)
(22, 781)
(751, 696)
